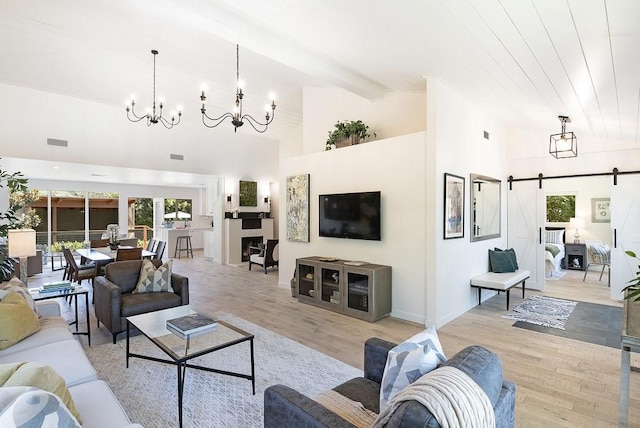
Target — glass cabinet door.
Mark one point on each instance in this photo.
(330, 285)
(358, 291)
(306, 280)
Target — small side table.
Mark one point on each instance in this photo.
(74, 293)
(575, 256)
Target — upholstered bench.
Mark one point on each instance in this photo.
(499, 282)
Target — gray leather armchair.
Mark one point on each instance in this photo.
(114, 300)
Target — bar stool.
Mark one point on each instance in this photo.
(180, 248)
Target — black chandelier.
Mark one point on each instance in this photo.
(564, 144)
(237, 118)
(151, 115)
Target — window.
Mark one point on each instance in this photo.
(177, 209)
(560, 208)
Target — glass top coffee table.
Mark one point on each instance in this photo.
(180, 350)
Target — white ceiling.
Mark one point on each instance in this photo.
(523, 61)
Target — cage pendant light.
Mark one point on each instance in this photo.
(564, 144)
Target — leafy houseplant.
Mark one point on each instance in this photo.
(16, 216)
(355, 130)
(634, 284)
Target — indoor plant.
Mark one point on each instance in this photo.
(634, 284)
(348, 133)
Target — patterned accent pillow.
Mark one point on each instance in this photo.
(16, 285)
(152, 280)
(32, 407)
(410, 360)
(554, 236)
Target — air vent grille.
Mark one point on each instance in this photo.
(175, 156)
(57, 143)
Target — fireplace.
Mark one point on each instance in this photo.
(249, 241)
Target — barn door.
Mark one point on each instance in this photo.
(525, 219)
(625, 224)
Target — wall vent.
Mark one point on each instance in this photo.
(486, 135)
(57, 143)
(174, 156)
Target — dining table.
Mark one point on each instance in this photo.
(104, 255)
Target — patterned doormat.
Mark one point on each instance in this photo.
(544, 311)
(147, 390)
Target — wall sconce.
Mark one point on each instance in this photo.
(228, 198)
(266, 199)
(564, 144)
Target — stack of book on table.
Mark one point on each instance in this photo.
(191, 325)
(58, 286)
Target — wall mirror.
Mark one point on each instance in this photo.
(485, 207)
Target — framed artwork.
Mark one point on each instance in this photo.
(248, 193)
(601, 210)
(453, 206)
(297, 208)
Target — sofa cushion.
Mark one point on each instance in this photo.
(410, 360)
(154, 279)
(363, 390)
(66, 357)
(33, 407)
(16, 285)
(125, 274)
(40, 376)
(17, 320)
(140, 303)
(52, 329)
(481, 365)
(95, 400)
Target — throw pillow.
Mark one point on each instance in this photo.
(554, 236)
(32, 407)
(512, 256)
(152, 280)
(17, 320)
(501, 261)
(16, 285)
(408, 361)
(40, 376)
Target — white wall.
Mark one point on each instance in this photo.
(396, 113)
(394, 166)
(456, 146)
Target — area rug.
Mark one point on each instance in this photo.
(589, 322)
(545, 311)
(147, 390)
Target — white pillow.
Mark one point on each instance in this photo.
(410, 360)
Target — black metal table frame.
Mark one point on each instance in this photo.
(74, 295)
(182, 364)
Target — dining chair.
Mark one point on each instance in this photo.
(98, 243)
(129, 254)
(129, 242)
(151, 244)
(76, 273)
(160, 250)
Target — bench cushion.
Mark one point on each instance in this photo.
(499, 281)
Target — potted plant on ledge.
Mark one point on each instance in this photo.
(348, 133)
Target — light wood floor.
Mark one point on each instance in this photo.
(560, 382)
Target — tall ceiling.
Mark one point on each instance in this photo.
(523, 61)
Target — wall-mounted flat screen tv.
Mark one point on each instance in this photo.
(350, 215)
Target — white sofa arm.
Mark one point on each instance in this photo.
(48, 308)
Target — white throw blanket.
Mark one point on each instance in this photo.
(453, 398)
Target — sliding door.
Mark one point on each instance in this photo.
(525, 219)
(625, 215)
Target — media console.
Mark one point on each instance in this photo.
(358, 289)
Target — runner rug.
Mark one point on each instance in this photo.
(147, 390)
(544, 311)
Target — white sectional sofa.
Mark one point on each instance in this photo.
(55, 346)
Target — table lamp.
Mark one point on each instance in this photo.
(22, 244)
(578, 223)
